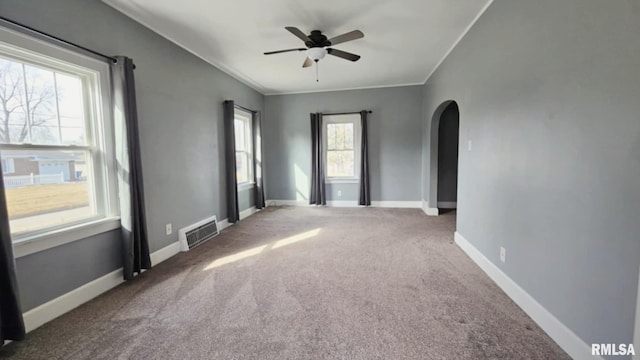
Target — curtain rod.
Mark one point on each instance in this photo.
(347, 113)
(244, 108)
(29, 28)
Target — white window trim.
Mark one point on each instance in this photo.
(247, 117)
(33, 50)
(357, 137)
(43, 241)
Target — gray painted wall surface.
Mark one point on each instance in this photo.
(48, 274)
(180, 116)
(394, 142)
(448, 154)
(246, 199)
(548, 92)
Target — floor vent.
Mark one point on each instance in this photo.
(198, 233)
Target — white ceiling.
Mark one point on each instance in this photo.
(405, 40)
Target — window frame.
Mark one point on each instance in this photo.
(100, 137)
(354, 119)
(247, 118)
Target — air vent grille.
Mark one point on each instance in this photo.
(198, 233)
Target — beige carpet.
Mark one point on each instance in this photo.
(304, 283)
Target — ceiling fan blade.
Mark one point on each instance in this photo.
(307, 62)
(355, 34)
(343, 54)
(295, 31)
(283, 51)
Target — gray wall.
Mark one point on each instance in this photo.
(394, 142)
(548, 92)
(448, 131)
(180, 110)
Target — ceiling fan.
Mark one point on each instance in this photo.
(317, 45)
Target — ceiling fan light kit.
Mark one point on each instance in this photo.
(318, 46)
(316, 53)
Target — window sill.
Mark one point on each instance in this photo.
(246, 186)
(342, 181)
(48, 240)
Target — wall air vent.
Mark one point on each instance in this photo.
(198, 233)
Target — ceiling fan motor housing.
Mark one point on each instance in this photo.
(317, 40)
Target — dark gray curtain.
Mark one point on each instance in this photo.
(318, 194)
(135, 242)
(365, 193)
(233, 213)
(11, 323)
(257, 160)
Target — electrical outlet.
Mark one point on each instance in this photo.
(169, 229)
(339, 193)
(469, 145)
(503, 254)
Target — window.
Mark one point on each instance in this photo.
(342, 147)
(56, 138)
(8, 166)
(244, 142)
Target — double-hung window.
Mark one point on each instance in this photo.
(342, 147)
(56, 138)
(244, 148)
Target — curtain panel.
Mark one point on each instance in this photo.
(365, 192)
(11, 322)
(258, 165)
(233, 212)
(135, 242)
(318, 194)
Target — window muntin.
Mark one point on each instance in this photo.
(56, 134)
(341, 146)
(243, 140)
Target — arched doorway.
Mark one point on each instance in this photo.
(445, 130)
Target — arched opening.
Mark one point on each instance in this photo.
(445, 130)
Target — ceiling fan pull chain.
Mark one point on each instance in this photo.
(317, 80)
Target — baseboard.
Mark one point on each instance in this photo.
(52, 309)
(165, 253)
(223, 224)
(288, 203)
(348, 203)
(397, 204)
(562, 335)
(447, 204)
(429, 211)
(248, 212)
(342, 203)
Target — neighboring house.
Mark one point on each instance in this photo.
(45, 167)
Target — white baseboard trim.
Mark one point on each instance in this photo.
(448, 204)
(429, 211)
(568, 341)
(342, 203)
(397, 204)
(248, 212)
(223, 224)
(288, 203)
(348, 203)
(52, 309)
(165, 253)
